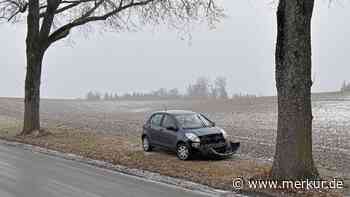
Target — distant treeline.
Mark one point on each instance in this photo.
(345, 87)
(202, 88)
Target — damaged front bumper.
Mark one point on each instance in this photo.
(221, 150)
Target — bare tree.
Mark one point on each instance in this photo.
(345, 87)
(213, 92)
(174, 93)
(51, 20)
(293, 157)
(106, 97)
(220, 84)
(115, 97)
(90, 96)
(200, 89)
(93, 96)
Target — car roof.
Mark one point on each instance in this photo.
(176, 112)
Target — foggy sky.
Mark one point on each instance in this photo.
(241, 48)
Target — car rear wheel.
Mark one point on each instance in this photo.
(147, 147)
(183, 152)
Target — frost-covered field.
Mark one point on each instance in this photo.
(251, 121)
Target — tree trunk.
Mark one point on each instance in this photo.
(32, 93)
(293, 157)
(35, 53)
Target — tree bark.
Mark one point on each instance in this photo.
(35, 53)
(32, 93)
(293, 157)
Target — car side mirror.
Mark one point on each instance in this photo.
(213, 123)
(171, 128)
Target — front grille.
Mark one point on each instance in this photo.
(212, 139)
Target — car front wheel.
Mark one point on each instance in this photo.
(183, 152)
(147, 147)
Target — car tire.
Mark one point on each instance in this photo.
(146, 144)
(183, 151)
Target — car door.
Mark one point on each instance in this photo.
(155, 128)
(168, 134)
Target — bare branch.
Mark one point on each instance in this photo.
(67, 5)
(64, 30)
(49, 15)
(58, 17)
(9, 9)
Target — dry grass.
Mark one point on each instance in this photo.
(128, 152)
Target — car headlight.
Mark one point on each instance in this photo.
(224, 133)
(192, 137)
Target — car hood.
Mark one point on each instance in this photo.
(205, 131)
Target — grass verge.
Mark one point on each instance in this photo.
(128, 152)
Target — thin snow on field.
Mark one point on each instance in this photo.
(251, 121)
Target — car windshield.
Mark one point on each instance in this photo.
(193, 121)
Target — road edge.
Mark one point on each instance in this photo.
(143, 174)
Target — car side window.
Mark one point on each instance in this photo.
(168, 122)
(156, 120)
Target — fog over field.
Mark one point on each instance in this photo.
(241, 49)
(252, 121)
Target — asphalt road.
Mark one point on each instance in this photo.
(28, 174)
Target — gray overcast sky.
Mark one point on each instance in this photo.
(241, 48)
